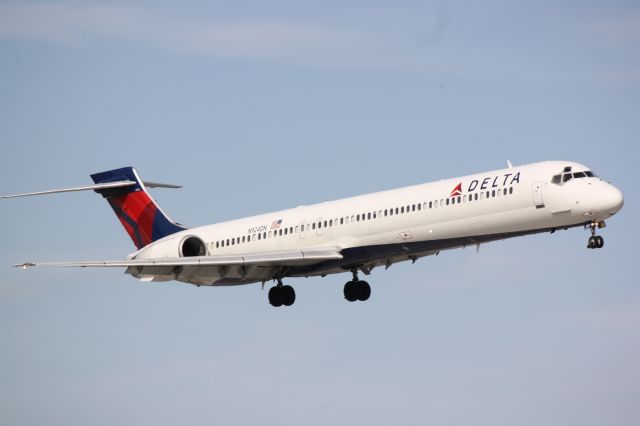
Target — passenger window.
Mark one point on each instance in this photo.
(313, 226)
(430, 204)
(342, 221)
(385, 212)
(453, 200)
(397, 210)
(504, 191)
(296, 229)
(511, 190)
(285, 231)
(264, 235)
(447, 201)
(493, 193)
(369, 216)
(358, 218)
(353, 218)
(374, 215)
(325, 223)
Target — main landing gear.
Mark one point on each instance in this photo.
(282, 295)
(356, 289)
(595, 241)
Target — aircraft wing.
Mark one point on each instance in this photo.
(268, 259)
(211, 270)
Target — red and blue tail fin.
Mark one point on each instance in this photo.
(141, 217)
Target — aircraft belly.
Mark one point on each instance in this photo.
(205, 275)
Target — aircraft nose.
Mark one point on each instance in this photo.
(612, 200)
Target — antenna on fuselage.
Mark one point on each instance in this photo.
(509, 164)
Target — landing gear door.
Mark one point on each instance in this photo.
(537, 195)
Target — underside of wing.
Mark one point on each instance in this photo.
(211, 270)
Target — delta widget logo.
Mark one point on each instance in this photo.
(457, 190)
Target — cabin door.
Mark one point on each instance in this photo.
(537, 195)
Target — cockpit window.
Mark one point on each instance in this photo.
(566, 176)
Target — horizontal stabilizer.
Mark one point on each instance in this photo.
(110, 185)
(95, 187)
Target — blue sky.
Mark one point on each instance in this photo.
(257, 106)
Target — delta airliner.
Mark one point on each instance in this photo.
(354, 234)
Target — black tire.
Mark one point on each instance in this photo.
(599, 242)
(592, 243)
(289, 295)
(276, 296)
(351, 291)
(365, 291)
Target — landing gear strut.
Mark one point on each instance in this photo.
(595, 241)
(282, 295)
(356, 289)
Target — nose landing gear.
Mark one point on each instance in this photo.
(595, 241)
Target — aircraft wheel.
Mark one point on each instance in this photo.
(351, 291)
(276, 298)
(289, 295)
(592, 243)
(599, 241)
(365, 291)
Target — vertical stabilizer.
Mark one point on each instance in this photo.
(140, 215)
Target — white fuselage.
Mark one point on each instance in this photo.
(402, 224)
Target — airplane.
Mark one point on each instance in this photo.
(356, 234)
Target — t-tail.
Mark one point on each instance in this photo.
(140, 215)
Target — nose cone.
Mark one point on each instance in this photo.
(612, 200)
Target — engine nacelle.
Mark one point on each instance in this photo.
(192, 246)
